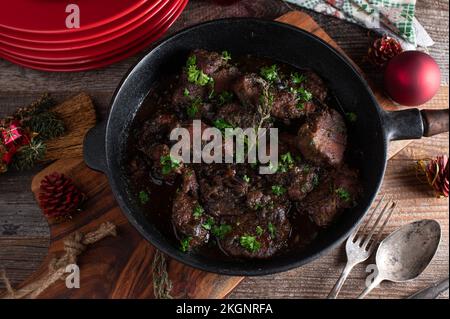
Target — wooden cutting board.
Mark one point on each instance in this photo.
(121, 267)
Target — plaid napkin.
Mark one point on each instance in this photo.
(394, 17)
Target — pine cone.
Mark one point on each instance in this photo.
(437, 173)
(383, 49)
(59, 197)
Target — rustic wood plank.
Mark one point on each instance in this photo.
(20, 86)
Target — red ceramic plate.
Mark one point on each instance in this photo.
(126, 52)
(101, 49)
(148, 14)
(13, 37)
(49, 16)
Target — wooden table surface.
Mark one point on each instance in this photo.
(24, 233)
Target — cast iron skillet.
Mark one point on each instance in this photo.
(105, 144)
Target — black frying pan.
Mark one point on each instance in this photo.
(105, 144)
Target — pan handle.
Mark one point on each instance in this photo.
(94, 152)
(414, 123)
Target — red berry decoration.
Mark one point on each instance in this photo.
(383, 49)
(412, 78)
(437, 174)
(59, 197)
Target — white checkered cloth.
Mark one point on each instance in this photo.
(394, 17)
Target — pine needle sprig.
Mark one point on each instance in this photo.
(47, 124)
(28, 155)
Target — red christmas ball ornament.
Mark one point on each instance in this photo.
(412, 78)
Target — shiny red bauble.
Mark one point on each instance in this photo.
(412, 78)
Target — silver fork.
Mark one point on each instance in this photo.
(359, 249)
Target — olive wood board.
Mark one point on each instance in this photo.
(121, 267)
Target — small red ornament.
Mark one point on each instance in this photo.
(412, 78)
(59, 197)
(383, 49)
(12, 134)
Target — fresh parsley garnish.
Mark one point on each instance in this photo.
(225, 97)
(144, 197)
(193, 109)
(250, 243)
(278, 190)
(304, 94)
(272, 230)
(168, 164)
(191, 61)
(297, 78)
(221, 124)
(226, 56)
(315, 180)
(287, 162)
(198, 211)
(351, 117)
(221, 231)
(259, 230)
(185, 243)
(343, 194)
(195, 75)
(246, 179)
(208, 224)
(300, 106)
(186, 92)
(270, 73)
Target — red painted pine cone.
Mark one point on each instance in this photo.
(59, 197)
(383, 49)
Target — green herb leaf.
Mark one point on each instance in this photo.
(168, 164)
(221, 231)
(198, 211)
(300, 106)
(246, 179)
(186, 92)
(191, 61)
(297, 78)
(195, 75)
(272, 230)
(193, 109)
(144, 197)
(226, 56)
(185, 244)
(315, 180)
(208, 224)
(225, 97)
(343, 194)
(270, 73)
(287, 162)
(259, 230)
(221, 124)
(278, 190)
(304, 95)
(250, 243)
(351, 117)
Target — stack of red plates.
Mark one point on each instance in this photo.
(58, 35)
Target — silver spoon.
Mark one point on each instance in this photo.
(406, 252)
